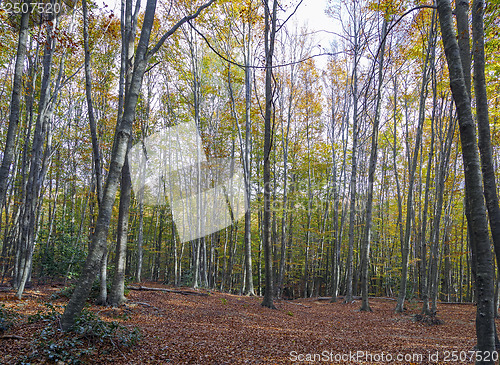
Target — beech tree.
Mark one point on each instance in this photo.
(14, 115)
(269, 38)
(476, 210)
(365, 306)
(129, 24)
(122, 136)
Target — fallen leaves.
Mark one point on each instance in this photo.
(222, 328)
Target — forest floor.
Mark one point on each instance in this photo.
(221, 328)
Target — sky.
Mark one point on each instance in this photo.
(312, 13)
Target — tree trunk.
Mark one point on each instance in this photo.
(337, 205)
(37, 169)
(102, 298)
(405, 245)
(441, 173)
(461, 12)
(95, 143)
(352, 204)
(365, 259)
(354, 160)
(249, 289)
(423, 233)
(487, 164)
(88, 89)
(140, 238)
(117, 296)
(308, 292)
(9, 150)
(269, 36)
(476, 210)
(285, 141)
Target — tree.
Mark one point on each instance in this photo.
(9, 150)
(483, 122)
(372, 164)
(129, 23)
(476, 210)
(41, 150)
(122, 136)
(487, 168)
(269, 37)
(357, 52)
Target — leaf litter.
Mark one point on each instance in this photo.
(222, 328)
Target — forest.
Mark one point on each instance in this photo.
(212, 150)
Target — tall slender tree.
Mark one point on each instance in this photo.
(269, 38)
(129, 24)
(122, 136)
(405, 244)
(15, 103)
(372, 164)
(476, 210)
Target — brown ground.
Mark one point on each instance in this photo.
(229, 329)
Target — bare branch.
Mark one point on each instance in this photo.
(187, 18)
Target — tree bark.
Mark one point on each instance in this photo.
(249, 288)
(117, 296)
(372, 165)
(461, 12)
(88, 94)
(487, 162)
(269, 36)
(129, 22)
(140, 238)
(441, 173)
(37, 168)
(423, 232)
(9, 150)
(354, 165)
(476, 212)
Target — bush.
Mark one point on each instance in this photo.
(186, 278)
(7, 318)
(68, 290)
(61, 257)
(94, 329)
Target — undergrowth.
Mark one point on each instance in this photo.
(428, 319)
(89, 336)
(7, 318)
(68, 290)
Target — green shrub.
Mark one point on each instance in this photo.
(7, 318)
(74, 347)
(64, 292)
(186, 278)
(68, 290)
(60, 258)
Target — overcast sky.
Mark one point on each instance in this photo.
(312, 13)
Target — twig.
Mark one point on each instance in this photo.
(183, 292)
(307, 306)
(11, 337)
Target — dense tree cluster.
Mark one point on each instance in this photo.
(353, 160)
